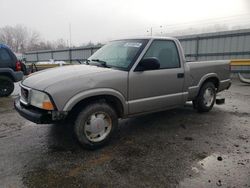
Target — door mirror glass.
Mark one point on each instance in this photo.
(149, 63)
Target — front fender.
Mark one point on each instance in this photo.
(95, 92)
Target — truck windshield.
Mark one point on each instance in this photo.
(119, 54)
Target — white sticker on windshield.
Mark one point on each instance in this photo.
(133, 44)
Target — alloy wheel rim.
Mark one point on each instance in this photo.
(97, 126)
(208, 97)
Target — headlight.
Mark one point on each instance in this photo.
(41, 100)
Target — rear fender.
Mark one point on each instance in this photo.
(8, 72)
(194, 90)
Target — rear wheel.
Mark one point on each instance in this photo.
(95, 125)
(206, 98)
(6, 86)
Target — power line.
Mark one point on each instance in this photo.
(234, 20)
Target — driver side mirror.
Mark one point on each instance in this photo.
(150, 63)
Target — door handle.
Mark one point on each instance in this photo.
(180, 75)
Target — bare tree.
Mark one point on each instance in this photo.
(19, 37)
(91, 44)
(6, 36)
(33, 41)
(60, 44)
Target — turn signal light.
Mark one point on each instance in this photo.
(47, 105)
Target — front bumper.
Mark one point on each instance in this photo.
(34, 115)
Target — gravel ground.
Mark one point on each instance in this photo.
(175, 148)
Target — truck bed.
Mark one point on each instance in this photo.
(200, 70)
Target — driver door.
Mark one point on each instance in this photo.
(154, 90)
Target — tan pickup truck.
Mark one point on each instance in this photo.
(124, 78)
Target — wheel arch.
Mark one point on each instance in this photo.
(214, 80)
(212, 77)
(8, 75)
(114, 99)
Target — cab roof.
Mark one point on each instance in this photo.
(148, 38)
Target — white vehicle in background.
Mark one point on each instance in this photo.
(51, 62)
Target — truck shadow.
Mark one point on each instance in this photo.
(61, 136)
(156, 149)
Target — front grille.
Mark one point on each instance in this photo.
(24, 95)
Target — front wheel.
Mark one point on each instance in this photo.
(6, 86)
(95, 125)
(206, 98)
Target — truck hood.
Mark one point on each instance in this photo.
(43, 79)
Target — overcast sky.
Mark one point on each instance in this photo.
(102, 20)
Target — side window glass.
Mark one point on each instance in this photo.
(166, 52)
(4, 56)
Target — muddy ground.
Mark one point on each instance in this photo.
(176, 148)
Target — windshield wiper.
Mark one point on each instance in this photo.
(83, 62)
(103, 63)
(87, 61)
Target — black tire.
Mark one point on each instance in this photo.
(83, 117)
(194, 104)
(6, 86)
(200, 103)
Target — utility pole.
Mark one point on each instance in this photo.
(161, 30)
(70, 35)
(151, 31)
